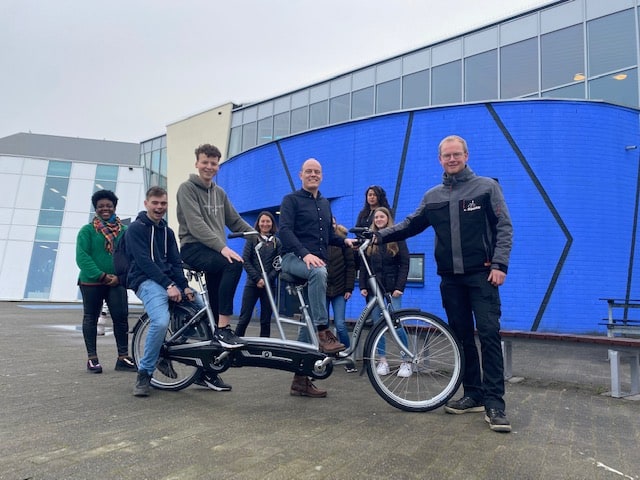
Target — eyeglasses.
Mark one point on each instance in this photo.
(456, 155)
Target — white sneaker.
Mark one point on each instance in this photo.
(405, 370)
(382, 368)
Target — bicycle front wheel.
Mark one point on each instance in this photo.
(169, 374)
(428, 380)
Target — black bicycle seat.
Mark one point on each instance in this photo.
(289, 278)
(191, 268)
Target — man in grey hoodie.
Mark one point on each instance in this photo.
(204, 209)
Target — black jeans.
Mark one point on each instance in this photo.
(222, 276)
(250, 297)
(116, 298)
(465, 297)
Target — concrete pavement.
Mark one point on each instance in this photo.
(60, 422)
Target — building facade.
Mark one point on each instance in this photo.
(47, 183)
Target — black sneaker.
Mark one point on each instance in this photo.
(166, 368)
(143, 385)
(497, 420)
(227, 338)
(126, 364)
(93, 365)
(214, 382)
(464, 405)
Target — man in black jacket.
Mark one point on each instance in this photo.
(472, 248)
(306, 232)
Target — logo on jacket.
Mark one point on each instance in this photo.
(470, 206)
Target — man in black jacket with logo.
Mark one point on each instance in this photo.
(472, 248)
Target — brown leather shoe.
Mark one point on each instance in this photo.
(329, 343)
(302, 387)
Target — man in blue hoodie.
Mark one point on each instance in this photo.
(156, 275)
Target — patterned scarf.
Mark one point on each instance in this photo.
(110, 229)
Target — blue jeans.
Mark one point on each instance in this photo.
(156, 303)
(339, 305)
(376, 315)
(316, 290)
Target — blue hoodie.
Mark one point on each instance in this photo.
(154, 254)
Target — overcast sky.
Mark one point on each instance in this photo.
(124, 69)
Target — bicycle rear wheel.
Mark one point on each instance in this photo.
(169, 374)
(428, 380)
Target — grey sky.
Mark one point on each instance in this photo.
(124, 69)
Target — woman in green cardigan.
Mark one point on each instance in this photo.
(98, 282)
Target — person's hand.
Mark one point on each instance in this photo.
(496, 277)
(396, 293)
(189, 293)
(347, 295)
(111, 280)
(230, 255)
(351, 243)
(364, 292)
(174, 293)
(311, 260)
(260, 283)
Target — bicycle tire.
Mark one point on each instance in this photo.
(435, 373)
(185, 374)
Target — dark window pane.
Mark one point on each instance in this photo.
(50, 217)
(299, 119)
(43, 259)
(339, 109)
(235, 141)
(249, 134)
(362, 103)
(388, 96)
(55, 193)
(318, 114)
(104, 185)
(562, 55)
(481, 76)
(519, 69)
(570, 91)
(163, 160)
(265, 130)
(620, 88)
(446, 86)
(605, 36)
(415, 90)
(281, 125)
(155, 161)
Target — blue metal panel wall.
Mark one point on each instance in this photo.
(569, 181)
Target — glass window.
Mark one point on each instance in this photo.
(300, 99)
(155, 160)
(570, 91)
(51, 217)
(147, 160)
(388, 96)
(163, 161)
(339, 109)
(415, 90)
(299, 121)
(389, 70)
(519, 69)
(47, 234)
(605, 37)
(107, 172)
(363, 78)
(319, 93)
(562, 56)
(235, 141)
(620, 88)
(104, 185)
(281, 125)
(340, 86)
(446, 83)
(362, 103)
(481, 76)
(265, 130)
(416, 62)
(43, 259)
(59, 169)
(55, 193)
(155, 143)
(416, 267)
(318, 114)
(265, 110)
(250, 115)
(249, 135)
(281, 104)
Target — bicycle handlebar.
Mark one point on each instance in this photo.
(242, 234)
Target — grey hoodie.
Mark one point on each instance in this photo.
(203, 212)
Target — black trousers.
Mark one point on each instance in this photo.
(464, 298)
(116, 298)
(250, 297)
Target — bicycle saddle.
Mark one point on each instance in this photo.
(289, 278)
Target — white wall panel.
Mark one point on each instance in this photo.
(9, 187)
(30, 192)
(86, 171)
(14, 271)
(79, 196)
(64, 286)
(11, 164)
(75, 220)
(22, 233)
(69, 235)
(35, 166)
(24, 216)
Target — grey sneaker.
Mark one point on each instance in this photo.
(143, 385)
(227, 338)
(464, 405)
(497, 420)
